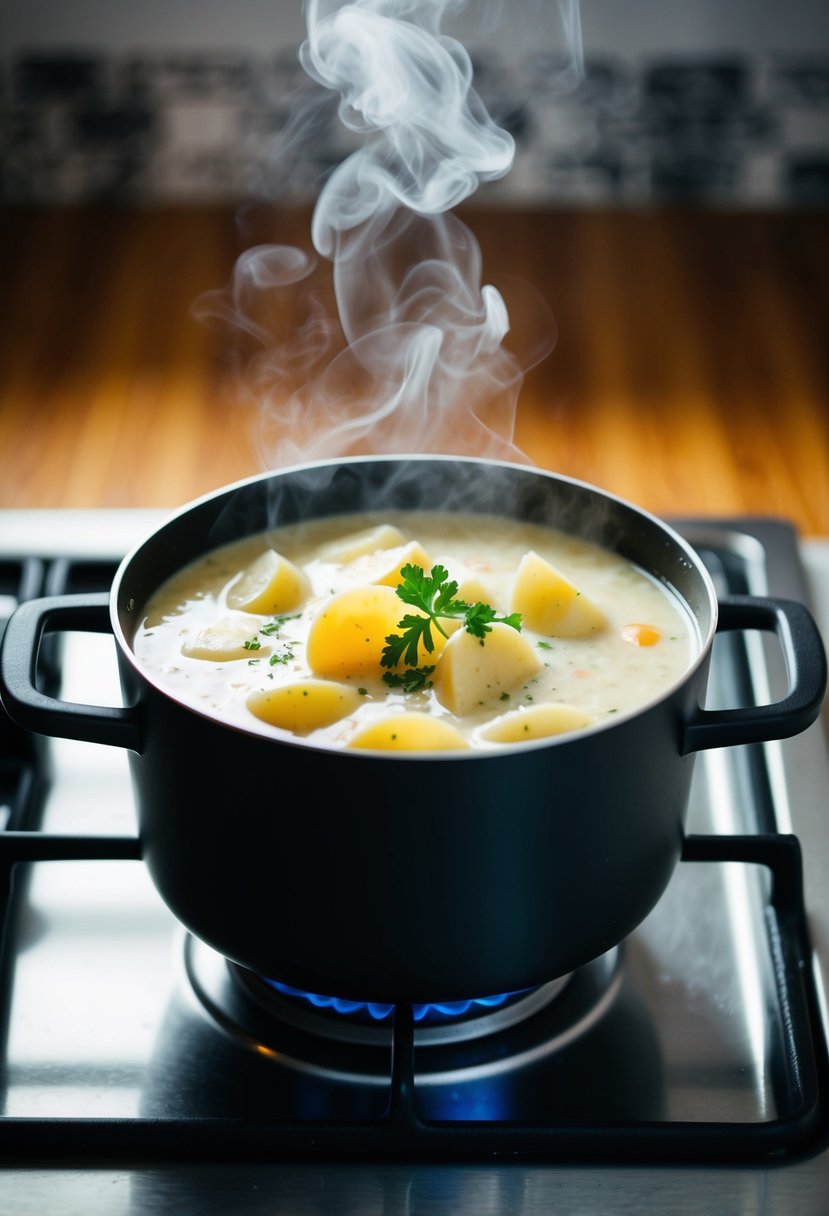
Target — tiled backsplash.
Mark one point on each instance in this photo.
(731, 130)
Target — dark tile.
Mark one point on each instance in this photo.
(806, 178)
(702, 86)
(693, 178)
(698, 114)
(801, 82)
(120, 180)
(605, 82)
(112, 124)
(604, 166)
(46, 77)
(610, 167)
(204, 75)
(516, 119)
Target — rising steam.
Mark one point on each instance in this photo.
(409, 355)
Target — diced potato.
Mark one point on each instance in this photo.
(471, 589)
(304, 706)
(225, 639)
(472, 672)
(383, 567)
(270, 584)
(362, 544)
(348, 634)
(409, 733)
(536, 722)
(550, 604)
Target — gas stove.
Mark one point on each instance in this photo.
(686, 1069)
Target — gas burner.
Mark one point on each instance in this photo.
(353, 1021)
(478, 1042)
(375, 1011)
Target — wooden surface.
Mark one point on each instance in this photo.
(690, 373)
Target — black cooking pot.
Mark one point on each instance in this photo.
(411, 877)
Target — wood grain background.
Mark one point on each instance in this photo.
(690, 373)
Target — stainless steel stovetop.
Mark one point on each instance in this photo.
(686, 1072)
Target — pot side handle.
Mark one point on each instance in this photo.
(46, 715)
(805, 659)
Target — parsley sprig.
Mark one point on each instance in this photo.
(435, 595)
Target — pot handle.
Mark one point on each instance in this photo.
(803, 651)
(46, 715)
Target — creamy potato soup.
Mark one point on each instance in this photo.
(416, 632)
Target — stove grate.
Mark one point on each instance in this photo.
(401, 1131)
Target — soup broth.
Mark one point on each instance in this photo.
(417, 631)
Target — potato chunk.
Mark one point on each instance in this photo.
(305, 705)
(349, 632)
(536, 722)
(270, 584)
(383, 567)
(225, 639)
(363, 544)
(409, 733)
(550, 604)
(472, 672)
(471, 590)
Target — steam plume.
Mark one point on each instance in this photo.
(409, 356)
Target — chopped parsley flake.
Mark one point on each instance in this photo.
(281, 657)
(273, 627)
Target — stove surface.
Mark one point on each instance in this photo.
(685, 1072)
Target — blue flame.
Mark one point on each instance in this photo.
(380, 1011)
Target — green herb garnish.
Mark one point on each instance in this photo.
(413, 679)
(274, 626)
(282, 657)
(435, 595)
(252, 644)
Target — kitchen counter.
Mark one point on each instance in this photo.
(690, 372)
